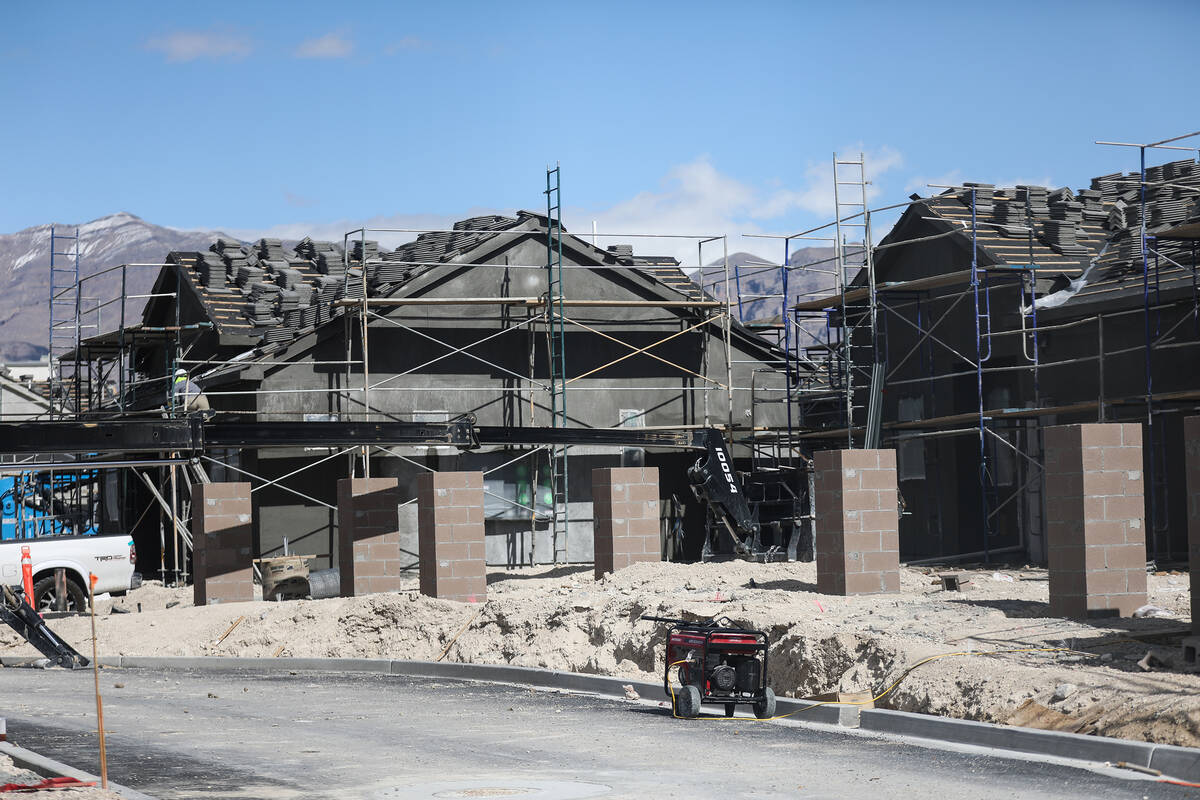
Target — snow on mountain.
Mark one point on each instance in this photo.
(121, 238)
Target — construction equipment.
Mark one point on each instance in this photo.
(715, 483)
(20, 616)
(717, 664)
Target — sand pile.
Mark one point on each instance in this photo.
(564, 619)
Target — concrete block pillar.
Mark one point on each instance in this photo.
(369, 557)
(625, 517)
(222, 542)
(1191, 435)
(450, 532)
(1095, 511)
(857, 530)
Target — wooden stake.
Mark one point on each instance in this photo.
(461, 631)
(96, 672)
(229, 630)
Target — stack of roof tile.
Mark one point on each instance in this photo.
(1060, 235)
(211, 268)
(270, 249)
(262, 303)
(246, 276)
(369, 247)
(984, 193)
(1093, 205)
(1010, 216)
(1035, 198)
(352, 286)
(391, 269)
(289, 278)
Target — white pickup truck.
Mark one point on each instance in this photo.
(111, 558)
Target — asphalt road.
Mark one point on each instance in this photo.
(184, 735)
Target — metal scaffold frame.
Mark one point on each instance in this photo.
(113, 375)
(874, 305)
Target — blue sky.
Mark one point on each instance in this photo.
(684, 117)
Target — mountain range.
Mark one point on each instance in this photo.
(124, 238)
(106, 242)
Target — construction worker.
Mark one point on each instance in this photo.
(185, 395)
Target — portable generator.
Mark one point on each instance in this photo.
(717, 664)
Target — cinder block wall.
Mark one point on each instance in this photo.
(1095, 511)
(369, 554)
(625, 517)
(222, 537)
(857, 528)
(1191, 433)
(450, 529)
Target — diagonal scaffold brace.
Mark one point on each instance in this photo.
(22, 618)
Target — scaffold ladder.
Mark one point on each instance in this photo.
(859, 360)
(64, 313)
(556, 334)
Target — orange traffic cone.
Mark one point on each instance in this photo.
(27, 576)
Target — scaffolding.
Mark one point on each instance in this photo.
(123, 382)
(824, 387)
(851, 349)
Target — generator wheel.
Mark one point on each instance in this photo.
(764, 707)
(687, 702)
(729, 709)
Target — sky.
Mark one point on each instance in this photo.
(667, 117)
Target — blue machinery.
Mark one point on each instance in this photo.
(34, 504)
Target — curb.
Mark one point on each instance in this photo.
(1178, 762)
(845, 716)
(49, 768)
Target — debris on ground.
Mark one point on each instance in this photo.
(22, 783)
(561, 618)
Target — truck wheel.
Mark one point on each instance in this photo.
(764, 707)
(45, 599)
(730, 708)
(687, 702)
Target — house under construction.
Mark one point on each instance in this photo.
(983, 316)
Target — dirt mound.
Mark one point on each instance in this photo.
(562, 618)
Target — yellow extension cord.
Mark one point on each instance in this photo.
(874, 699)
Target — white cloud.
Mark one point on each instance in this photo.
(331, 45)
(693, 198)
(696, 198)
(816, 195)
(215, 44)
(408, 44)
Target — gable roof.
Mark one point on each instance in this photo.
(1091, 235)
(410, 270)
(264, 293)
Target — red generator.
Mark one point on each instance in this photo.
(717, 664)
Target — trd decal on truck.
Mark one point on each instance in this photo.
(110, 558)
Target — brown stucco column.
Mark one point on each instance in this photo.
(1095, 511)
(625, 517)
(369, 558)
(1191, 435)
(857, 530)
(222, 538)
(450, 531)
